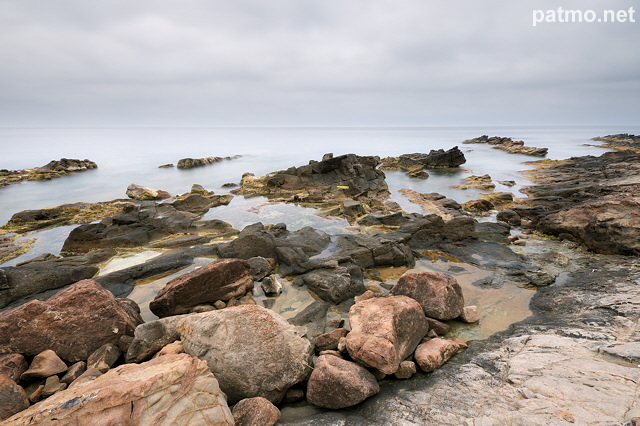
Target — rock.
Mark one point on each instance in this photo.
(498, 198)
(509, 145)
(330, 181)
(609, 227)
(67, 165)
(198, 203)
(74, 372)
(171, 349)
(406, 370)
(227, 338)
(252, 242)
(385, 331)
(52, 385)
(219, 304)
(336, 383)
(478, 205)
(507, 182)
(89, 375)
(173, 389)
(312, 319)
(260, 267)
(166, 166)
(333, 285)
(440, 328)
(477, 182)
(329, 341)
(509, 216)
(104, 357)
(293, 395)
(435, 158)
(418, 174)
(45, 364)
(271, 286)
(189, 163)
(199, 189)
(469, 314)
(13, 365)
(219, 280)
(32, 278)
(352, 208)
(370, 252)
(84, 310)
(152, 336)
(12, 398)
(434, 353)
(138, 192)
(439, 294)
(255, 411)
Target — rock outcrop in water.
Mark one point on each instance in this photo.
(415, 163)
(51, 170)
(621, 142)
(189, 163)
(327, 183)
(509, 145)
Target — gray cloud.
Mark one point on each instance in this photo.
(256, 62)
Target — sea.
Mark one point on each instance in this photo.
(133, 154)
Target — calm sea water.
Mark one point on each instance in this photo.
(132, 155)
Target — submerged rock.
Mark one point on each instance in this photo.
(477, 182)
(73, 323)
(336, 383)
(173, 389)
(385, 331)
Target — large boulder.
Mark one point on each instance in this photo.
(219, 280)
(169, 390)
(336, 383)
(435, 158)
(251, 350)
(385, 331)
(439, 294)
(74, 322)
(604, 226)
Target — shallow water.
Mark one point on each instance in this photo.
(132, 155)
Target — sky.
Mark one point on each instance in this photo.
(314, 63)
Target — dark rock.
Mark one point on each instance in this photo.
(73, 323)
(271, 285)
(67, 165)
(52, 385)
(435, 158)
(255, 411)
(509, 216)
(329, 341)
(385, 331)
(219, 280)
(181, 241)
(333, 285)
(260, 267)
(103, 358)
(336, 383)
(509, 145)
(152, 336)
(198, 203)
(188, 163)
(439, 327)
(439, 294)
(74, 372)
(478, 205)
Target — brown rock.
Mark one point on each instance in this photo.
(45, 364)
(172, 390)
(459, 341)
(329, 341)
(74, 372)
(385, 331)
(13, 399)
(221, 280)
(13, 365)
(256, 411)
(469, 314)
(332, 353)
(406, 370)
(104, 357)
(439, 327)
(89, 375)
(434, 353)
(439, 294)
(74, 322)
(336, 383)
(34, 391)
(171, 349)
(364, 296)
(52, 385)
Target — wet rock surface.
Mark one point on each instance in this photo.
(417, 161)
(51, 170)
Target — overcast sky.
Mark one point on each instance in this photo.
(324, 62)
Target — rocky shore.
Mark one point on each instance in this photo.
(368, 349)
(509, 145)
(51, 170)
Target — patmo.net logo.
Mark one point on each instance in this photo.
(560, 15)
